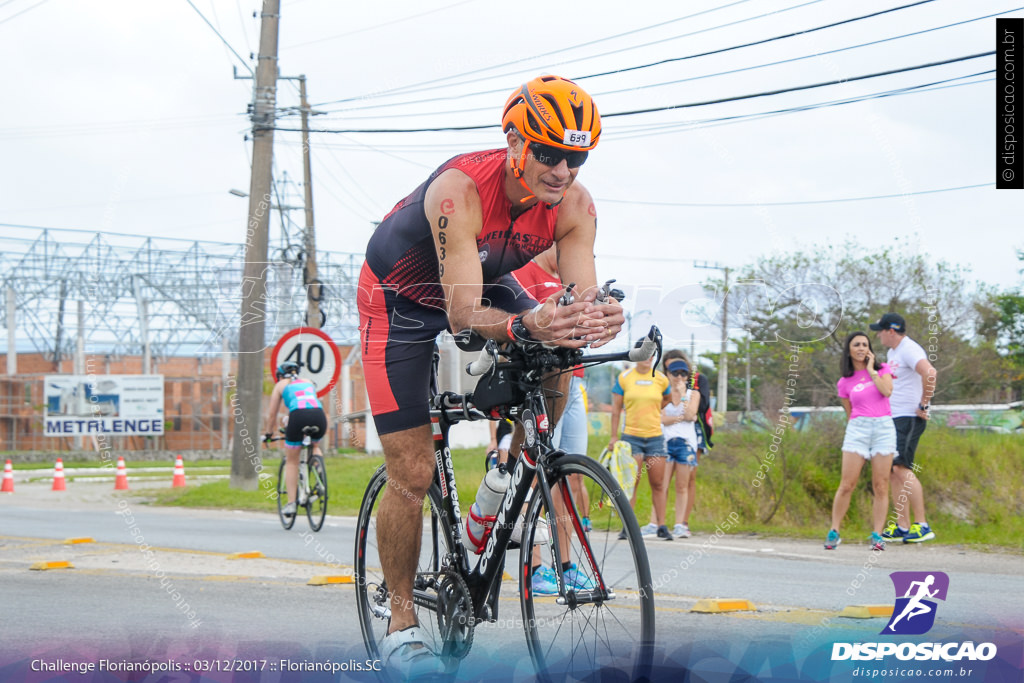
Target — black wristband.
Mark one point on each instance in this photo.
(518, 329)
(923, 407)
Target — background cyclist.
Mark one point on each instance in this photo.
(304, 409)
(440, 260)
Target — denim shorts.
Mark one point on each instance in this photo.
(680, 451)
(571, 431)
(649, 447)
(867, 436)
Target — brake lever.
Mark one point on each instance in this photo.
(567, 298)
(607, 291)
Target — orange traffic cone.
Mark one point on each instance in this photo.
(58, 476)
(179, 473)
(121, 480)
(8, 485)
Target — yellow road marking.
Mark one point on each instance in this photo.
(43, 566)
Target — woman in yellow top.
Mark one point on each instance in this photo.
(642, 391)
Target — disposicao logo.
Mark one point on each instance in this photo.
(915, 608)
(914, 614)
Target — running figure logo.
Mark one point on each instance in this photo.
(914, 612)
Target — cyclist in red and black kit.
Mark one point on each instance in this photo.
(440, 260)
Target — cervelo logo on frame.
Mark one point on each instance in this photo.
(914, 612)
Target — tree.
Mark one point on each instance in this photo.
(806, 302)
(1002, 322)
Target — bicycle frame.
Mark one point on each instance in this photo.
(484, 579)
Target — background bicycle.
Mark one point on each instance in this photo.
(312, 488)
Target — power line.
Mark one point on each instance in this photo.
(222, 39)
(711, 205)
(647, 129)
(756, 42)
(660, 129)
(412, 89)
(663, 83)
(418, 87)
(822, 84)
(810, 56)
(685, 105)
(18, 14)
(376, 26)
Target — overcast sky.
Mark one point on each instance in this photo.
(124, 117)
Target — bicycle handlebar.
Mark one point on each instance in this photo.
(485, 361)
(646, 347)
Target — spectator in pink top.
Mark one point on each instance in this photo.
(864, 390)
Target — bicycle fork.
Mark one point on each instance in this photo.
(566, 596)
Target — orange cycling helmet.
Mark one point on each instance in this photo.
(553, 111)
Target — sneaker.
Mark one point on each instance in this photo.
(877, 542)
(833, 540)
(587, 526)
(663, 532)
(893, 531)
(577, 580)
(544, 581)
(649, 530)
(919, 533)
(681, 531)
(407, 654)
(288, 510)
(540, 534)
(622, 535)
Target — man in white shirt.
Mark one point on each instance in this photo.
(912, 391)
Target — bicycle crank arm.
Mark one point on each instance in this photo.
(424, 600)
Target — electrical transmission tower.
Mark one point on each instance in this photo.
(183, 296)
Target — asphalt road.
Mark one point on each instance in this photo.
(190, 601)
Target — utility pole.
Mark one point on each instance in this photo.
(723, 362)
(245, 455)
(314, 291)
(748, 370)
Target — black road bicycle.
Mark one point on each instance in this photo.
(607, 620)
(312, 485)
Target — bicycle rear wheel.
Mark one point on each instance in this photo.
(282, 499)
(316, 506)
(608, 621)
(373, 599)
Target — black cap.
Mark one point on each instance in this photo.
(890, 321)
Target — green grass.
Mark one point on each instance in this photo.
(971, 482)
(346, 476)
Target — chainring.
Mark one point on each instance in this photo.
(455, 619)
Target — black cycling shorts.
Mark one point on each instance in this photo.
(301, 418)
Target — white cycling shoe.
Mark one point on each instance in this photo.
(540, 535)
(407, 655)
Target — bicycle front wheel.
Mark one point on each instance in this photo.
(373, 599)
(316, 506)
(282, 498)
(604, 617)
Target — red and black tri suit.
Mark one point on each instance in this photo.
(401, 302)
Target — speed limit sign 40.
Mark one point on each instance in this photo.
(314, 352)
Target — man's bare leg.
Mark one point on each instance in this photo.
(410, 465)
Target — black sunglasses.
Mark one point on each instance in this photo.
(679, 373)
(552, 156)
